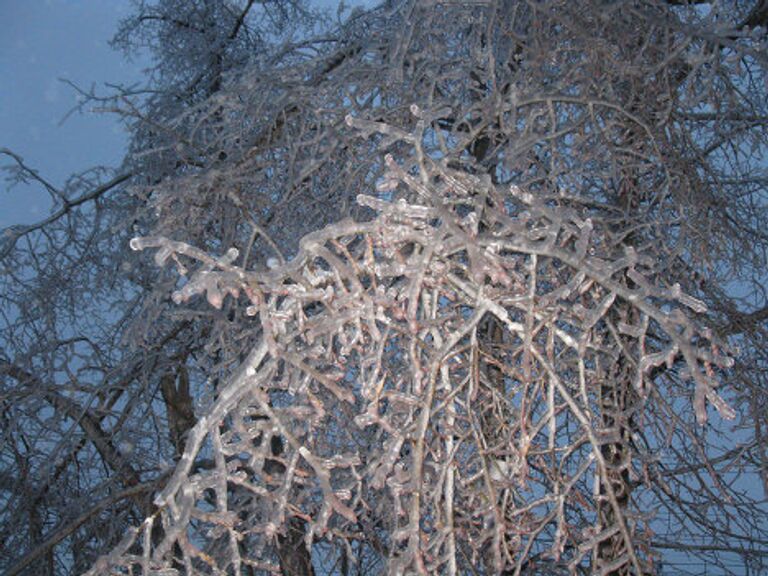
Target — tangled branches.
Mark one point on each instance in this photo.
(376, 411)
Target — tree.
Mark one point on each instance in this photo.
(446, 288)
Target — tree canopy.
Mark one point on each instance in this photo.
(430, 287)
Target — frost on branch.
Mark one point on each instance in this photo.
(391, 404)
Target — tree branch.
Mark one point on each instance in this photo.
(12, 234)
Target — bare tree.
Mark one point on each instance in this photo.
(538, 260)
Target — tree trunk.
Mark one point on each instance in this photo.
(615, 403)
(295, 559)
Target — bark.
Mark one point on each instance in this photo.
(295, 558)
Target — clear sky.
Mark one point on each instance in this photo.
(42, 41)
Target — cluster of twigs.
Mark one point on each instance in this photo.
(376, 408)
(490, 368)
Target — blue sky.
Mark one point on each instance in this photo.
(42, 41)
